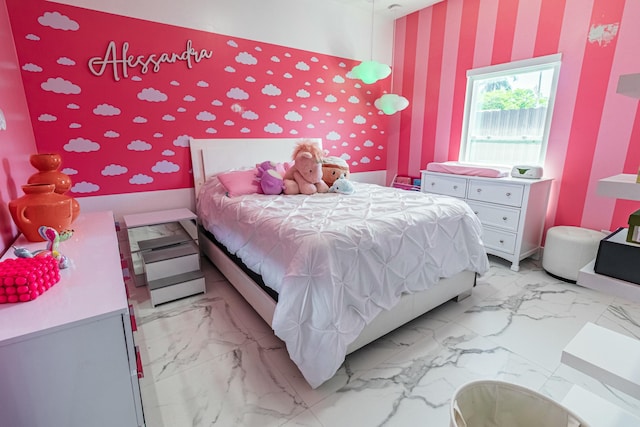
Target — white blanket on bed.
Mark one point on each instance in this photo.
(337, 260)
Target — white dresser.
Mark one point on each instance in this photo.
(512, 210)
(68, 357)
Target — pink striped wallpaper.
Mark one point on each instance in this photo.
(595, 131)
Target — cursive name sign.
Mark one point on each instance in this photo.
(120, 64)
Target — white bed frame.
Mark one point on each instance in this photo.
(211, 156)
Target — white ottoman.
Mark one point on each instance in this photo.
(567, 249)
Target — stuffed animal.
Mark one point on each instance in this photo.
(305, 176)
(342, 185)
(272, 182)
(332, 168)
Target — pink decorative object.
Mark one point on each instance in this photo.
(25, 279)
(466, 169)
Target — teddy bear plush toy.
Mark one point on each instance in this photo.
(305, 176)
(333, 168)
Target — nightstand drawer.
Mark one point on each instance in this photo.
(499, 240)
(504, 194)
(447, 185)
(496, 216)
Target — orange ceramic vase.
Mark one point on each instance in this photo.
(39, 206)
(48, 173)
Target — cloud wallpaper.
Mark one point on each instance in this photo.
(119, 97)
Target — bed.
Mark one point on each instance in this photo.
(327, 279)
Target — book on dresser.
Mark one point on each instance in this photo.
(512, 210)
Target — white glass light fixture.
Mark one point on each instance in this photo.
(371, 71)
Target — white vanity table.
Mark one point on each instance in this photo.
(68, 358)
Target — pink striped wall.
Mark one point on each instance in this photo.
(595, 132)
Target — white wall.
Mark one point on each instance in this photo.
(325, 26)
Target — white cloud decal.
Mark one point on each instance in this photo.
(32, 37)
(229, 123)
(111, 134)
(272, 128)
(174, 83)
(250, 115)
(158, 135)
(356, 149)
(246, 58)
(168, 153)
(152, 95)
(139, 145)
(229, 69)
(140, 179)
(287, 76)
(293, 116)
(271, 90)
(330, 98)
(81, 145)
(314, 59)
(168, 118)
(275, 59)
(205, 116)
(75, 125)
(189, 98)
(310, 126)
(139, 119)
(211, 130)
(339, 79)
(216, 103)
(182, 141)
(181, 109)
(106, 110)
(60, 85)
(368, 143)
(302, 66)
(320, 80)
(250, 79)
(63, 60)
(73, 106)
(47, 118)
(237, 93)
(245, 130)
(32, 68)
(114, 170)
(365, 160)
(333, 136)
(136, 79)
(165, 166)
(303, 94)
(69, 171)
(232, 43)
(85, 187)
(359, 120)
(202, 83)
(58, 21)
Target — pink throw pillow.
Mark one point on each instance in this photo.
(238, 183)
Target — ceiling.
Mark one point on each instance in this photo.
(391, 8)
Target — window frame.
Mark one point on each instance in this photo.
(506, 69)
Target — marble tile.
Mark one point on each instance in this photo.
(211, 360)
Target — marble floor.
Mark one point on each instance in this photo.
(210, 360)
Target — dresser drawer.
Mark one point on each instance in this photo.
(500, 240)
(495, 192)
(496, 216)
(447, 185)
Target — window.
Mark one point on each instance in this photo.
(508, 109)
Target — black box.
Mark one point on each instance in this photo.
(618, 258)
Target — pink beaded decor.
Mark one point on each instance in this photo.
(25, 279)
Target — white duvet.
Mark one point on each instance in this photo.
(337, 260)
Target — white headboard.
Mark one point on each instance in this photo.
(212, 156)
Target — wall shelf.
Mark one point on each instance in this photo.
(622, 186)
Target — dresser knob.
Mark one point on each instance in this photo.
(508, 194)
(501, 242)
(455, 187)
(433, 183)
(475, 212)
(479, 190)
(504, 218)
